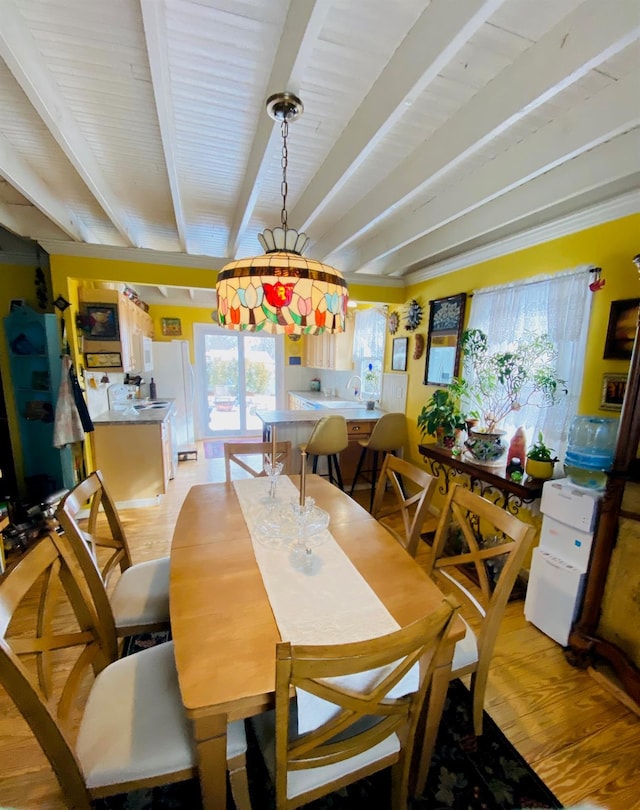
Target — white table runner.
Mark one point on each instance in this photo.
(333, 605)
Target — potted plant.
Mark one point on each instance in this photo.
(500, 382)
(540, 460)
(441, 417)
(371, 387)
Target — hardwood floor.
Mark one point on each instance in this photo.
(581, 740)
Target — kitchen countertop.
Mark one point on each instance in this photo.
(284, 417)
(147, 416)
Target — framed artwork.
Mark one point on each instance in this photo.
(621, 332)
(103, 360)
(613, 391)
(399, 356)
(446, 317)
(171, 327)
(102, 322)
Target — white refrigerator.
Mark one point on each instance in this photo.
(174, 377)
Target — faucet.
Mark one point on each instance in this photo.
(356, 390)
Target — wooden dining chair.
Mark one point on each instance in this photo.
(412, 509)
(140, 597)
(244, 455)
(132, 730)
(485, 546)
(364, 728)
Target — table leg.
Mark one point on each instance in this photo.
(435, 705)
(211, 742)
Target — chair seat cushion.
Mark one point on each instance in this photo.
(465, 652)
(134, 725)
(300, 782)
(141, 594)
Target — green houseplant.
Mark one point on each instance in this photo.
(441, 417)
(540, 460)
(505, 381)
(497, 383)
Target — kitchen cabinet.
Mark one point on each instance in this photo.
(135, 457)
(34, 356)
(133, 324)
(330, 351)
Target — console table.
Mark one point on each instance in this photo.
(482, 478)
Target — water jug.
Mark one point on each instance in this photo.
(590, 449)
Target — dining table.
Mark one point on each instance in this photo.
(224, 626)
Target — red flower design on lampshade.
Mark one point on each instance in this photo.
(278, 294)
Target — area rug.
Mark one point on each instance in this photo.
(467, 773)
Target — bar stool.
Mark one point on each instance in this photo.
(329, 437)
(388, 436)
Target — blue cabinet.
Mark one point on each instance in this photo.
(35, 362)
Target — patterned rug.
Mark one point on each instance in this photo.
(467, 773)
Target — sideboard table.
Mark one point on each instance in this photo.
(482, 477)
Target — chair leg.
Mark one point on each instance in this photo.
(315, 464)
(374, 476)
(358, 468)
(336, 464)
(237, 767)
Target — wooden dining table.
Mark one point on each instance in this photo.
(224, 630)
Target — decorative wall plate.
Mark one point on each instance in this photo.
(418, 347)
(394, 322)
(414, 315)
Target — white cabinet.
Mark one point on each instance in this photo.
(330, 351)
(131, 323)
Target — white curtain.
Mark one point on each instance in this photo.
(557, 305)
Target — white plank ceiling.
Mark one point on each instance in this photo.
(138, 127)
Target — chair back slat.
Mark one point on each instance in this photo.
(411, 509)
(238, 453)
(363, 716)
(49, 567)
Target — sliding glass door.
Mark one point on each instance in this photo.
(238, 373)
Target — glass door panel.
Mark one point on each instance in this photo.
(238, 375)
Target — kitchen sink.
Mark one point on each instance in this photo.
(339, 404)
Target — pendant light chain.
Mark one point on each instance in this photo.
(284, 188)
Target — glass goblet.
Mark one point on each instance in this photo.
(272, 471)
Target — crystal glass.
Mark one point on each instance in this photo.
(310, 524)
(272, 471)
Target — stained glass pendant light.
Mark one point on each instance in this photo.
(280, 291)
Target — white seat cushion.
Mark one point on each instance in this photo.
(134, 725)
(466, 650)
(141, 594)
(299, 782)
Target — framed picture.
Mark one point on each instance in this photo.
(621, 332)
(446, 317)
(103, 360)
(102, 322)
(613, 391)
(171, 327)
(399, 356)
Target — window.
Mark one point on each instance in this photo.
(558, 306)
(368, 350)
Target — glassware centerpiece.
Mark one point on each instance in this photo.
(272, 470)
(310, 524)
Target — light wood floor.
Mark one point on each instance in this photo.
(582, 741)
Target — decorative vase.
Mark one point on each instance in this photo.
(540, 470)
(487, 447)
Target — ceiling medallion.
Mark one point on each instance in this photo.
(280, 291)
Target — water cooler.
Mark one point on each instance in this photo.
(559, 563)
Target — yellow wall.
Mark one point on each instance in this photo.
(610, 246)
